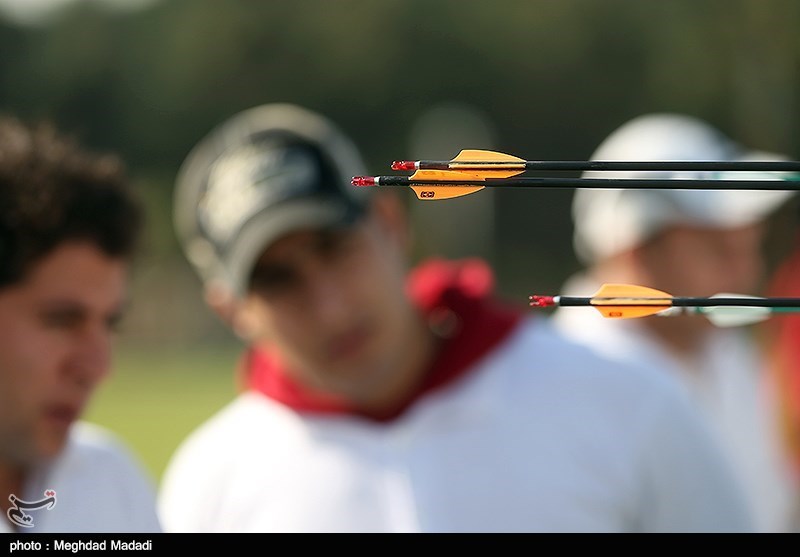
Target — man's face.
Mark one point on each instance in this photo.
(55, 346)
(690, 261)
(332, 302)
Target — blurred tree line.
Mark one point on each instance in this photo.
(550, 78)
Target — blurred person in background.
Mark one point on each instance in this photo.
(784, 344)
(68, 228)
(386, 399)
(687, 243)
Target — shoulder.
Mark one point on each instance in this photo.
(95, 447)
(220, 442)
(547, 353)
(91, 438)
(540, 363)
(212, 458)
(231, 427)
(101, 485)
(628, 411)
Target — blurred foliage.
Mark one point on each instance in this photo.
(554, 77)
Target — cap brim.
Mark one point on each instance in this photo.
(269, 226)
(731, 209)
(611, 221)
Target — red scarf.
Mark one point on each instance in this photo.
(455, 298)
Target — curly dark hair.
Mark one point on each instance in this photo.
(53, 191)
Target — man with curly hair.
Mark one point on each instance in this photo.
(68, 229)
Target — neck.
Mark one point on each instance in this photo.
(683, 336)
(407, 371)
(11, 482)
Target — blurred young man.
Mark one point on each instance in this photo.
(67, 229)
(784, 346)
(386, 400)
(687, 243)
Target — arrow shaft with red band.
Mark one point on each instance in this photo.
(674, 302)
(654, 166)
(583, 183)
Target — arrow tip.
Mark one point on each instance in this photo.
(364, 181)
(405, 165)
(541, 301)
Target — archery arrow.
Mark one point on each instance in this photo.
(480, 160)
(472, 170)
(625, 301)
(452, 184)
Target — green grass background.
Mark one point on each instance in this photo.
(156, 397)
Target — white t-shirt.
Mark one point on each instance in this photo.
(99, 488)
(542, 436)
(728, 386)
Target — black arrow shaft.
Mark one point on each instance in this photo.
(572, 301)
(728, 166)
(598, 183)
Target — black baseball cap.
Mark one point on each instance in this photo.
(263, 173)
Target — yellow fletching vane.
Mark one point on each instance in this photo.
(482, 155)
(448, 175)
(624, 301)
(631, 291)
(506, 167)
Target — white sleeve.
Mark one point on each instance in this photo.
(688, 485)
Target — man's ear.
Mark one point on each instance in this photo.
(235, 312)
(391, 215)
(232, 311)
(221, 300)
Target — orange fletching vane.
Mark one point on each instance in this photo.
(623, 312)
(429, 192)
